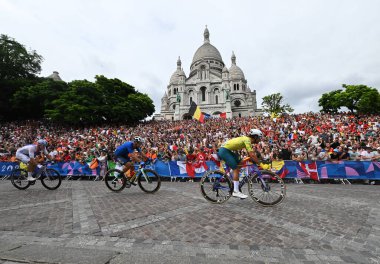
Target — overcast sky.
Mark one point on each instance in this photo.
(300, 49)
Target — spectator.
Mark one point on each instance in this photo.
(334, 156)
(343, 153)
(365, 154)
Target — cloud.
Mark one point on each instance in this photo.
(298, 48)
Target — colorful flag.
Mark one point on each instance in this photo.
(195, 112)
(283, 172)
(308, 170)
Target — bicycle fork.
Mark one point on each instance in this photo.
(145, 176)
(264, 185)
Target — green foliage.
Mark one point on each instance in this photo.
(18, 68)
(24, 95)
(31, 101)
(16, 62)
(329, 102)
(369, 102)
(106, 100)
(273, 104)
(357, 98)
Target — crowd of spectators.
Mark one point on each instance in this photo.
(309, 136)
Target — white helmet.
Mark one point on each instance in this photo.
(139, 139)
(255, 132)
(42, 142)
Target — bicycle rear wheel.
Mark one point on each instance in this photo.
(216, 187)
(150, 182)
(268, 190)
(52, 180)
(115, 180)
(19, 179)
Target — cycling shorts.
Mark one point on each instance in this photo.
(123, 159)
(24, 158)
(232, 159)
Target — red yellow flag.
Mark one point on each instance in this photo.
(195, 112)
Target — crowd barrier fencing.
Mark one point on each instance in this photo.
(315, 170)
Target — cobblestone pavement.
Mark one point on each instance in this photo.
(84, 222)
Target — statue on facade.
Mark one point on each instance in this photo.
(227, 94)
(178, 98)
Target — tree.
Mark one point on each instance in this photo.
(357, 98)
(18, 68)
(369, 102)
(122, 102)
(352, 95)
(80, 103)
(274, 104)
(108, 100)
(31, 101)
(329, 102)
(16, 62)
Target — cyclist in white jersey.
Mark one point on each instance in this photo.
(27, 155)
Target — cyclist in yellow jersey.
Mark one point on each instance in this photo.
(233, 160)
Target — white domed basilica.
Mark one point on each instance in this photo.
(211, 85)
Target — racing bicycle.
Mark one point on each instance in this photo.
(147, 179)
(50, 178)
(264, 187)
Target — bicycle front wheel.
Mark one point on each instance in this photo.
(51, 180)
(19, 179)
(216, 186)
(268, 189)
(149, 181)
(115, 180)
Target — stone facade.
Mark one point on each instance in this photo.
(55, 76)
(213, 87)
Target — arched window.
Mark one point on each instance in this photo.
(234, 86)
(203, 73)
(175, 91)
(237, 86)
(216, 99)
(203, 90)
(191, 94)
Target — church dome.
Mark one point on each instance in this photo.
(235, 71)
(181, 73)
(207, 50)
(175, 77)
(178, 73)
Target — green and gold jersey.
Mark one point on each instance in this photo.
(238, 143)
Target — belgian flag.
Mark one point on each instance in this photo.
(195, 112)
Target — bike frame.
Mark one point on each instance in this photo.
(140, 169)
(255, 170)
(40, 170)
